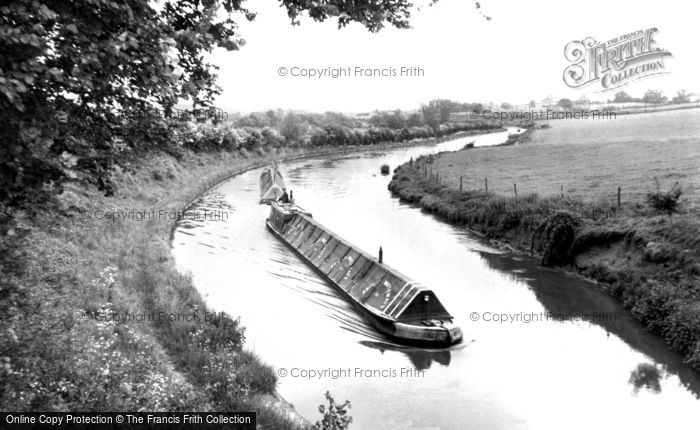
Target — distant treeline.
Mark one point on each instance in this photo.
(87, 153)
(208, 136)
(293, 125)
(279, 128)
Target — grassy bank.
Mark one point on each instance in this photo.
(642, 257)
(94, 315)
(100, 319)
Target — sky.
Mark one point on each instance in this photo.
(516, 57)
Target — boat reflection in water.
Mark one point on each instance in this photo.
(421, 358)
(398, 307)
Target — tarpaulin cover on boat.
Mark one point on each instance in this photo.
(271, 185)
(375, 285)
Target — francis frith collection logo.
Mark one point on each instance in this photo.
(614, 63)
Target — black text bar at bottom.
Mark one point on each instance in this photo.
(128, 420)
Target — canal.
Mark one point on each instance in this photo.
(543, 349)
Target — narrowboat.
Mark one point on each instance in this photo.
(271, 184)
(403, 310)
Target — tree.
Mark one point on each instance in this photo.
(80, 79)
(654, 97)
(474, 107)
(255, 119)
(506, 105)
(274, 117)
(566, 104)
(396, 120)
(292, 128)
(622, 97)
(272, 137)
(682, 96)
(431, 115)
(415, 120)
(373, 14)
(338, 118)
(438, 111)
(393, 120)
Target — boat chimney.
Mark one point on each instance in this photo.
(381, 255)
(291, 196)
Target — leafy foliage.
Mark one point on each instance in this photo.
(654, 97)
(665, 202)
(648, 376)
(335, 417)
(79, 81)
(372, 14)
(438, 111)
(84, 82)
(340, 135)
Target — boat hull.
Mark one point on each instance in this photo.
(442, 335)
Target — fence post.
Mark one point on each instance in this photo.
(515, 188)
(562, 191)
(619, 189)
(460, 183)
(486, 183)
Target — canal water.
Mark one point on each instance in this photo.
(543, 350)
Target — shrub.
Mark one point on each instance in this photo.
(384, 169)
(335, 417)
(648, 376)
(665, 202)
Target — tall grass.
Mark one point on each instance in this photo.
(99, 318)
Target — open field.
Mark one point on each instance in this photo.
(651, 127)
(590, 162)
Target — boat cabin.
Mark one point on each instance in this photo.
(281, 213)
(423, 306)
